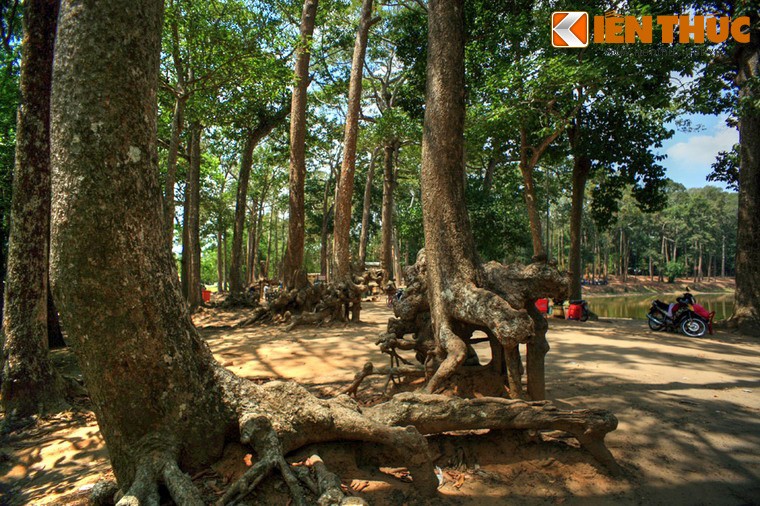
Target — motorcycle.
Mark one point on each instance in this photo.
(685, 316)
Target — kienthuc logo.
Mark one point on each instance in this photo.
(570, 29)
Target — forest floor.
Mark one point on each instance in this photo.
(642, 284)
(689, 414)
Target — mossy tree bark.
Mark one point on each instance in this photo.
(147, 370)
(30, 384)
(747, 302)
(294, 275)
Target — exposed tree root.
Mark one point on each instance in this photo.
(433, 414)
(279, 417)
(159, 466)
(502, 308)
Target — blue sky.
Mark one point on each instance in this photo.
(690, 154)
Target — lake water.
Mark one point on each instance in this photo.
(637, 306)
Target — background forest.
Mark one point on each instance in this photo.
(226, 75)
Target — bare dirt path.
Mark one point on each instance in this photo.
(689, 414)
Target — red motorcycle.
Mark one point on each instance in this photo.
(685, 315)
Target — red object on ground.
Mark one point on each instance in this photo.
(574, 311)
(206, 295)
(542, 305)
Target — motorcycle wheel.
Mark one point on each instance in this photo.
(693, 327)
(584, 316)
(655, 326)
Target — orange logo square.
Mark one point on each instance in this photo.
(570, 29)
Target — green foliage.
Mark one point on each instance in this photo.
(674, 270)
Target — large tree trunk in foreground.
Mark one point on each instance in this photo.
(147, 371)
(386, 232)
(294, 275)
(366, 209)
(30, 384)
(747, 302)
(344, 199)
(191, 245)
(163, 404)
(581, 170)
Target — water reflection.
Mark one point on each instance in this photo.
(637, 306)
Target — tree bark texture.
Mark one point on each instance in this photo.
(294, 275)
(747, 300)
(344, 200)
(30, 385)
(581, 170)
(191, 246)
(146, 369)
(367, 203)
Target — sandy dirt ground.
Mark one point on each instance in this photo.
(689, 413)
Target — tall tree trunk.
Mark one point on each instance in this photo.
(367, 203)
(191, 247)
(723, 258)
(171, 166)
(326, 211)
(463, 294)
(236, 269)
(253, 137)
(345, 191)
(269, 243)
(252, 231)
(747, 299)
(534, 218)
(389, 187)
(276, 253)
(182, 94)
(581, 170)
(30, 385)
(294, 275)
(147, 371)
(219, 262)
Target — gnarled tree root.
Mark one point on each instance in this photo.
(501, 305)
(279, 417)
(159, 466)
(433, 414)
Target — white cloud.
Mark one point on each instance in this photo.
(701, 150)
